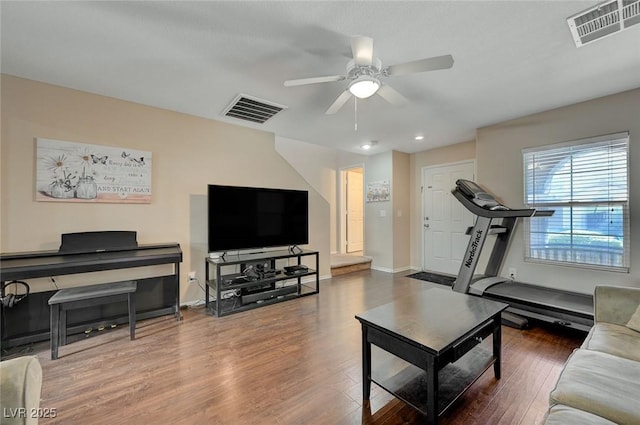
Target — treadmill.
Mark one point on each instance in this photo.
(570, 309)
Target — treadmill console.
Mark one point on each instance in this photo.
(478, 196)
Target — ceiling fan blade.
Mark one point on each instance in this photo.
(339, 102)
(313, 80)
(362, 49)
(392, 96)
(421, 65)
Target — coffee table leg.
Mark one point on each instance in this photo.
(497, 345)
(366, 365)
(432, 391)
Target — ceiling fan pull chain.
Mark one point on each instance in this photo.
(355, 106)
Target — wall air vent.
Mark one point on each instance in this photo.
(252, 109)
(602, 20)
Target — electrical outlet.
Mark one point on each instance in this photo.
(513, 273)
(192, 277)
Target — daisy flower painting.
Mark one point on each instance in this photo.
(78, 172)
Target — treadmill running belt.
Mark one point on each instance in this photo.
(581, 304)
(434, 277)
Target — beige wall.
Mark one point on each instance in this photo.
(318, 166)
(378, 216)
(429, 158)
(188, 153)
(499, 165)
(401, 211)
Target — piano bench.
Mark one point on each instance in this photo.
(88, 296)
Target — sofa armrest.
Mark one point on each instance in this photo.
(615, 304)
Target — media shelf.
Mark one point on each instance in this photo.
(409, 383)
(246, 281)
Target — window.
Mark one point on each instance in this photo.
(586, 183)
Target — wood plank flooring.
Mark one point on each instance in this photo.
(297, 362)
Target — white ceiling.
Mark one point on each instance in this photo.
(511, 59)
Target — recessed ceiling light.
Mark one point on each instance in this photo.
(418, 138)
(368, 145)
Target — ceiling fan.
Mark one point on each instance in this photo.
(365, 71)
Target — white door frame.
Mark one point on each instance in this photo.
(342, 205)
(422, 209)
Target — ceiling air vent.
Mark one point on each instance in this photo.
(252, 109)
(604, 19)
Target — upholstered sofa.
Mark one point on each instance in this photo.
(600, 382)
(20, 386)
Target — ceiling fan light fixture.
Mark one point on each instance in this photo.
(364, 86)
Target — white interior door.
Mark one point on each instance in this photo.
(355, 210)
(445, 219)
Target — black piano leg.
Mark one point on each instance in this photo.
(177, 312)
(55, 330)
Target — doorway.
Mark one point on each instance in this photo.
(352, 210)
(444, 219)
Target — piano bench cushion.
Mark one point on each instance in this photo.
(92, 291)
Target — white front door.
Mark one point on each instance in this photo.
(355, 210)
(444, 220)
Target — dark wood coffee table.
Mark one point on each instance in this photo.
(437, 333)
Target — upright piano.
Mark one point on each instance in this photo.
(28, 320)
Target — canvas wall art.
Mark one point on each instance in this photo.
(78, 172)
(378, 191)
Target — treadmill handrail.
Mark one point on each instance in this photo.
(544, 213)
(485, 212)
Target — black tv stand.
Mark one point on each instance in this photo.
(294, 249)
(269, 283)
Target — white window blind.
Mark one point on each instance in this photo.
(586, 183)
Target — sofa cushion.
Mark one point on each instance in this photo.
(634, 321)
(565, 415)
(614, 339)
(601, 384)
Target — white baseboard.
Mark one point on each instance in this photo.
(402, 269)
(387, 270)
(382, 269)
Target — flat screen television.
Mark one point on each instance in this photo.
(251, 217)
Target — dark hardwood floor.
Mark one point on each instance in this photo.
(297, 362)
